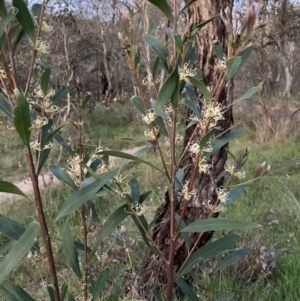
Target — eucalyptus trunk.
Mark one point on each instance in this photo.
(153, 272)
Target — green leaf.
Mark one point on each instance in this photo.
(185, 236)
(232, 259)
(21, 119)
(36, 10)
(20, 249)
(116, 291)
(70, 297)
(60, 94)
(7, 246)
(201, 86)
(25, 19)
(209, 251)
(9, 18)
(12, 292)
(206, 138)
(188, 5)
(69, 250)
(85, 100)
(51, 293)
(64, 144)
(154, 68)
(157, 295)
(193, 106)
(50, 136)
(8, 187)
(86, 193)
(151, 27)
(179, 43)
(135, 190)
(127, 156)
(220, 141)
(100, 283)
(244, 54)
(164, 7)
(167, 90)
(157, 47)
(188, 291)
(63, 291)
(5, 106)
(218, 49)
(45, 81)
(235, 194)
(138, 103)
(201, 25)
(226, 297)
(111, 223)
(62, 176)
(3, 11)
(13, 229)
(232, 66)
(214, 224)
(249, 93)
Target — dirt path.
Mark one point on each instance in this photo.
(26, 186)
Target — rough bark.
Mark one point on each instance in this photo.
(152, 274)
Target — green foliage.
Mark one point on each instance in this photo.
(19, 250)
(21, 119)
(70, 250)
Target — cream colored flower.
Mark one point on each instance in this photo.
(216, 209)
(185, 72)
(49, 108)
(204, 166)
(39, 122)
(3, 73)
(222, 194)
(148, 81)
(231, 169)
(150, 116)
(149, 135)
(194, 148)
(41, 46)
(185, 193)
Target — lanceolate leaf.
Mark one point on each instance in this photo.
(164, 7)
(201, 25)
(188, 291)
(111, 223)
(232, 66)
(61, 175)
(70, 250)
(138, 103)
(191, 105)
(8, 187)
(249, 93)
(220, 141)
(7, 246)
(201, 86)
(218, 49)
(5, 106)
(128, 156)
(36, 10)
(210, 251)
(135, 190)
(157, 47)
(244, 54)
(25, 19)
(60, 94)
(100, 283)
(235, 194)
(20, 249)
(45, 81)
(21, 119)
(63, 143)
(13, 229)
(167, 90)
(12, 292)
(86, 193)
(233, 258)
(213, 224)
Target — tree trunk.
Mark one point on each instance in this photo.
(152, 274)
